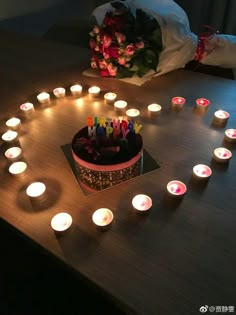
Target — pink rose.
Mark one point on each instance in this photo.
(107, 41)
(106, 56)
(120, 37)
(140, 44)
(122, 61)
(102, 64)
(112, 70)
(93, 64)
(130, 49)
(96, 29)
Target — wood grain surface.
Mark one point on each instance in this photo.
(181, 255)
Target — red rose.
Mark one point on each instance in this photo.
(104, 73)
(92, 43)
(114, 22)
(112, 51)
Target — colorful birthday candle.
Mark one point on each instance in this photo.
(102, 122)
(92, 131)
(89, 121)
(137, 127)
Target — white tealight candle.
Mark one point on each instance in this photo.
(61, 222)
(43, 98)
(59, 92)
(222, 155)
(176, 188)
(76, 90)
(154, 108)
(202, 103)
(142, 202)
(27, 108)
(17, 168)
(110, 98)
(9, 136)
(94, 91)
(120, 105)
(133, 112)
(202, 171)
(222, 115)
(13, 153)
(102, 217)
(178, 101)
(230, 135)
(36, 189)
(13, 123)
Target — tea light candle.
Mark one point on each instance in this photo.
(202, 171)
(13, 123)
(13, 153)
(94, 91)
(102, 217)
(120, 105)
(59, 92)
(110, 98)
(76, 90)
(36, 189)
(176, 188)
(61, 222)
(133, 112)
(222, 155)
(230, 135)
(202, 103)
(17, 168)
(142, 202)
(154, 108)
(43, 98)
(27, 108)
(178, 101)
(9, 136)
(222, 115)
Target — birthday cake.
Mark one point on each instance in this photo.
(107, 152)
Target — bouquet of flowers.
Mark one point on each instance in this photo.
(125, 44)
(135, 37)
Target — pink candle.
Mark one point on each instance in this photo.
(230, 135)
(27, 109)
(202, 171)
(202, 103)
(178, 100)
(176, 188)
(59, 92)
(142, 202)
(13, 153)
(222, 155)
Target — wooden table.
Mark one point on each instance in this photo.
(180, 256)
